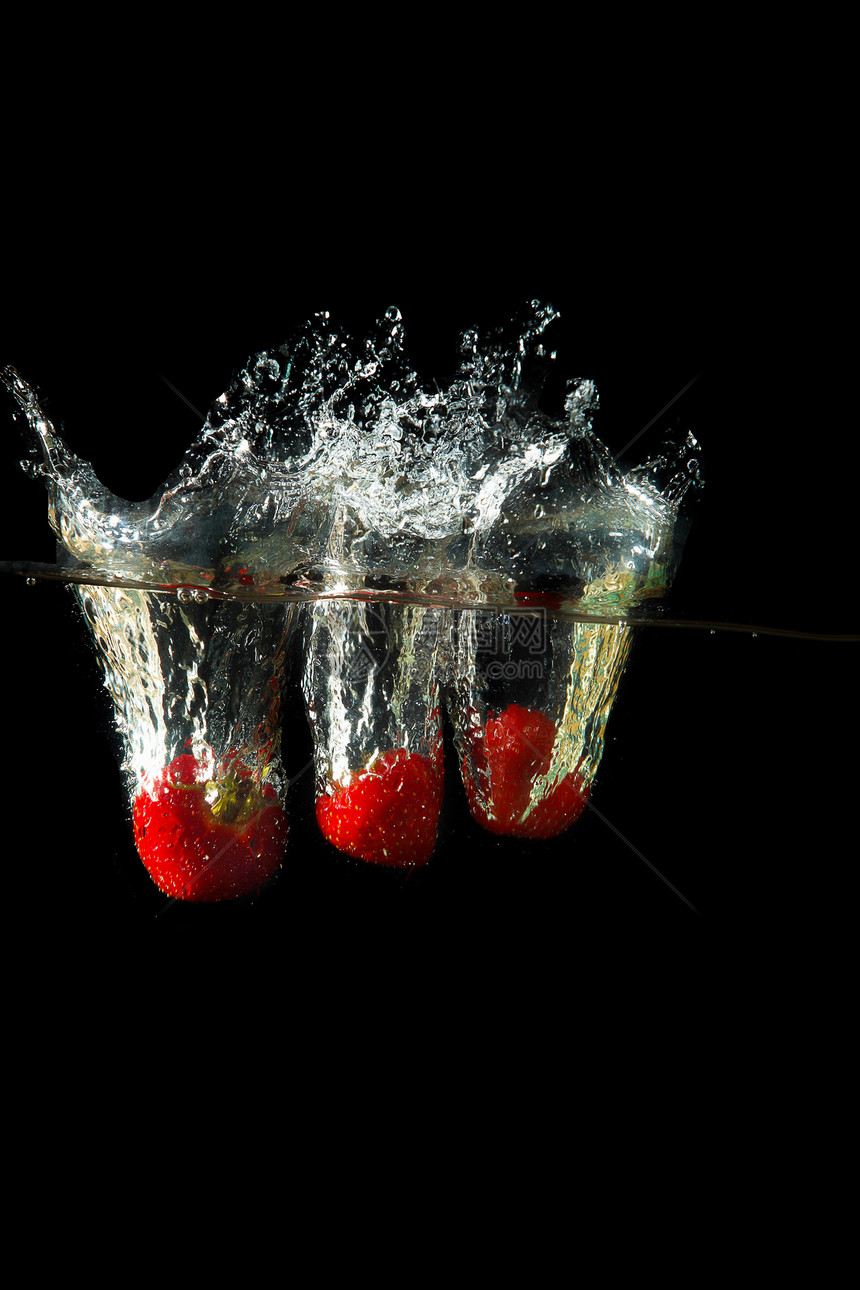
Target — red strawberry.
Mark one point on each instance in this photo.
(386, 814)
(541, 599)
(517, 749)
(206, 840)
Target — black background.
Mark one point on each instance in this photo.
(721, 795)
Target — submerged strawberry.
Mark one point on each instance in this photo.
(387, 814)
(209, 840)
(516, 752)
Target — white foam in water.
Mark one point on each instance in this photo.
(328, 476)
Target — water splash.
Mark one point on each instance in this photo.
(336, 502)
(327, 468)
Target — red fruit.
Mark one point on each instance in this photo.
(541, 599)
(517, 750)
(208, 840)
(387, 814)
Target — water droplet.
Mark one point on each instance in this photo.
(31, 582)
